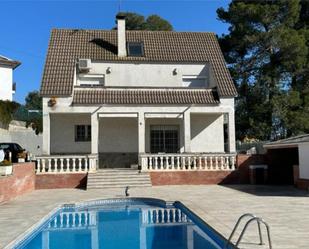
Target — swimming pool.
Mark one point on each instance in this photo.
(122, 223)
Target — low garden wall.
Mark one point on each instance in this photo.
(20, 182)
(240, 176)
(52, 181)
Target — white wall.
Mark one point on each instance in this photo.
(147, 74)
(6, 82)
(303, 151)
(207, 133)
(118, 135)
(62, 136)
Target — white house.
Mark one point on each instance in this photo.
(7, 86)
(153, 98)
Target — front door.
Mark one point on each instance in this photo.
(164, 139)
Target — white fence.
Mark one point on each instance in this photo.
(56, 164)
(163, 216)
(187, 162)
(73, 220)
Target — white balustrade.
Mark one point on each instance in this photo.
(163, 216)
(64, 164)
(187, 162)
(73, 220)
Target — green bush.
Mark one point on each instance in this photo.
(7, 108)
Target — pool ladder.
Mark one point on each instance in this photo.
(253, 218)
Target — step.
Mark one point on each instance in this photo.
(118, 183)
(118, 178)
(116, 173)
(116, 186)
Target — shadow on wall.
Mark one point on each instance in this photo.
(205, 121)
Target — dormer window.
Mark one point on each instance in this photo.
(135, 49)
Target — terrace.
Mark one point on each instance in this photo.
(284, 208)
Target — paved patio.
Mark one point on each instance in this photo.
(284, 208)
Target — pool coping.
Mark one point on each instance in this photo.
(94, 202)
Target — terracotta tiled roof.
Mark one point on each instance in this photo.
(144, 96)
(66, 46)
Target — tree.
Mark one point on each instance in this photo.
(267, 55)
(155, 22)
(136, 21)
(34, 119)
(7, 108)
(33, 101)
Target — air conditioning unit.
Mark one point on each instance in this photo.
(84, 64)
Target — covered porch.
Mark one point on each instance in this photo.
(190, 139)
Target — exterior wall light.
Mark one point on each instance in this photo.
(175, 71)
(108, 70)
(52, 102)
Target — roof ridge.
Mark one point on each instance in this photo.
(136, 31)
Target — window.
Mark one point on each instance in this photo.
(135, 49)
(91, 80)
(164, 139)
(193, 81)
(82, 133)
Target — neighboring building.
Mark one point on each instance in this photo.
(7, 86)
(285, 154)
(142, 97)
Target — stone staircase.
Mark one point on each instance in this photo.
(118, 178)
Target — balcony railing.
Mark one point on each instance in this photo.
(57, 164)
(187, 162)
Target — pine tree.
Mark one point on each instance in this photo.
(267, 52)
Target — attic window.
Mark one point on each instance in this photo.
(135, 49)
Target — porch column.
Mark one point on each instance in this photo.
(231, 131)
(94, 133)
(187, 131)
(46, 134)
(141, 132)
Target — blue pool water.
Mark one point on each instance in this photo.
(123, 223)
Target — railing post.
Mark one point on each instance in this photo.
(92, 163)
(49, 165)
(150, 163)
(172, 162)
(156, 163)
(38, 166)
(210, 163)
(61, 165)
(144, 163)
(86, 164)
(232, 158)
(74, 164)
(194, 163)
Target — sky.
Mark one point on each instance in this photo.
(25, 26)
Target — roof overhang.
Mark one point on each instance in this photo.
(280, 146)
(9, 63)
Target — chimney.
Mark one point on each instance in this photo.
(121, 35)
